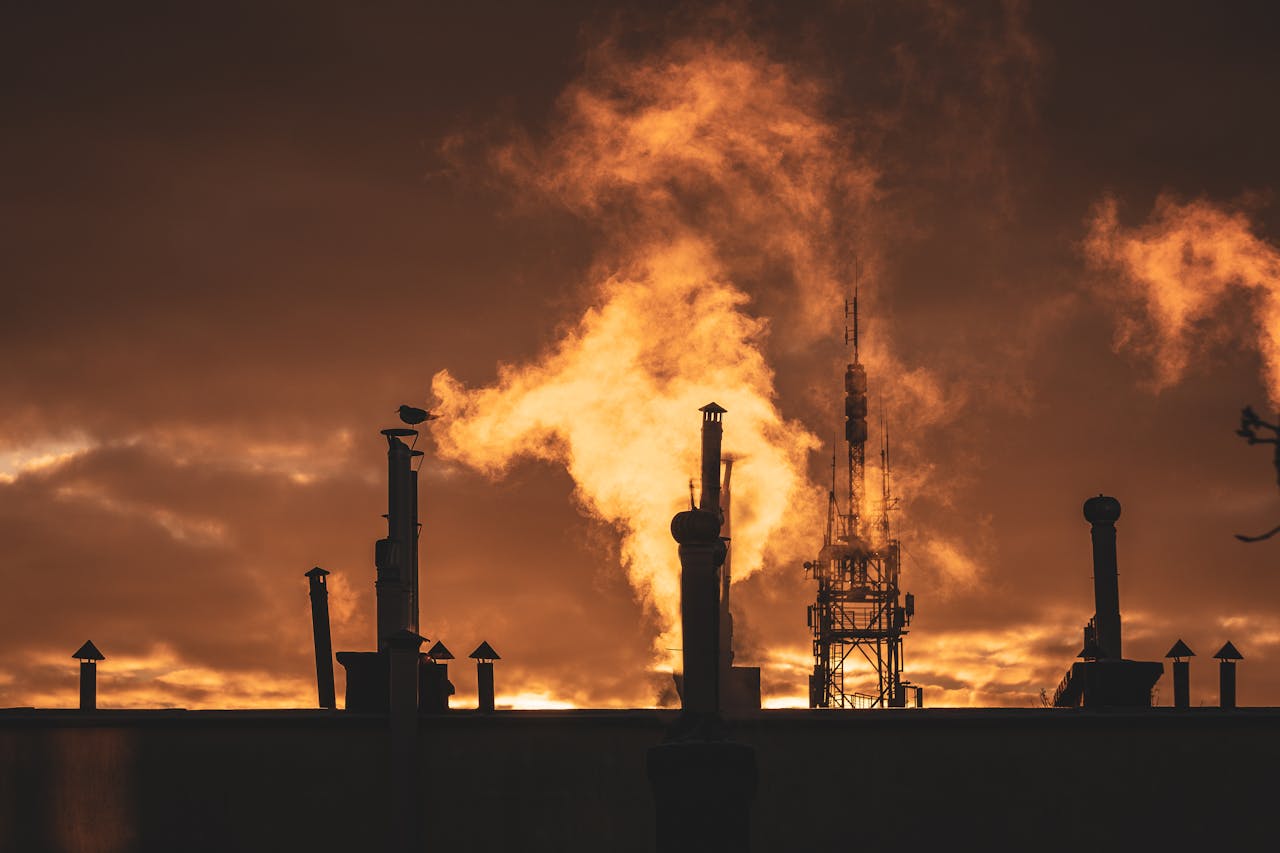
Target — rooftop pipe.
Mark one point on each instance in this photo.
(396, 556)
(1227, 657)
(1181, 674)
(1102, 512)
(702, 783)
(701, 554)
(484, 656)
(323, 640)
(88, 656)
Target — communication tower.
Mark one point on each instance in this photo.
(860, 614)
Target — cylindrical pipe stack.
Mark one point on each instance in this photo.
(1227, 657)
(702, 783)
(396, 555)
(319, 591)
(1102, 512)
(701, 553)
(88, 655)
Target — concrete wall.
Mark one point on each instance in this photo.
(566, 781)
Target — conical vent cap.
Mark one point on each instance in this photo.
(439, 652)
(88, 652)
(1228, 652)
(1180, 650)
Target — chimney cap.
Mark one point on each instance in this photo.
(713, 408)
(399, 432)
(1228, 652)
(1180, 650)
(317, 572)
(439, 652)
(695, 527)
(485, 652)
(89, 652)
(1101, 510)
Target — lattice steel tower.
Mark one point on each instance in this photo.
(857, 615)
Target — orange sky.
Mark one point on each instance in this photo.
(238, 239)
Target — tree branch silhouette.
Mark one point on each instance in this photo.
(1250, 424)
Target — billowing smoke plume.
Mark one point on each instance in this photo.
(720, 188)
(1182, 272)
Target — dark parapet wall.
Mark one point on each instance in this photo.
(576, 780)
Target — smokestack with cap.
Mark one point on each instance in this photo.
(1227, 657)
(88, 655)
(712, 436)
(701, 554)
(1102, 512)
(323, 641)
(484, 656)
(1181, 674)
(702, 783)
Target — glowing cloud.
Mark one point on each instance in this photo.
(1178, 271)
(717, 181)
(617, 401)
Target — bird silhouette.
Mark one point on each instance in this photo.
(412, 415)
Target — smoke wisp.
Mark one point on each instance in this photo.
(1179, 272)
(718, 186)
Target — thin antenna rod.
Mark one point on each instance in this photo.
(886, 497)
(856, 278)
(851, 310)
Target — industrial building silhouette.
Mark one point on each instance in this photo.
(399, 770)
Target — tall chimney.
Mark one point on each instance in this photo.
(726, 615)
(396, 556)
(88, 655)
(1102, 512)
(320, 633)
(701, 554)
(702, 783)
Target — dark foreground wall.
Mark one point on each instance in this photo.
(569, 781)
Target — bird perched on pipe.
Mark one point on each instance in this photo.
(413, 416)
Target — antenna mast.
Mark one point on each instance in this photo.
(857, 606)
